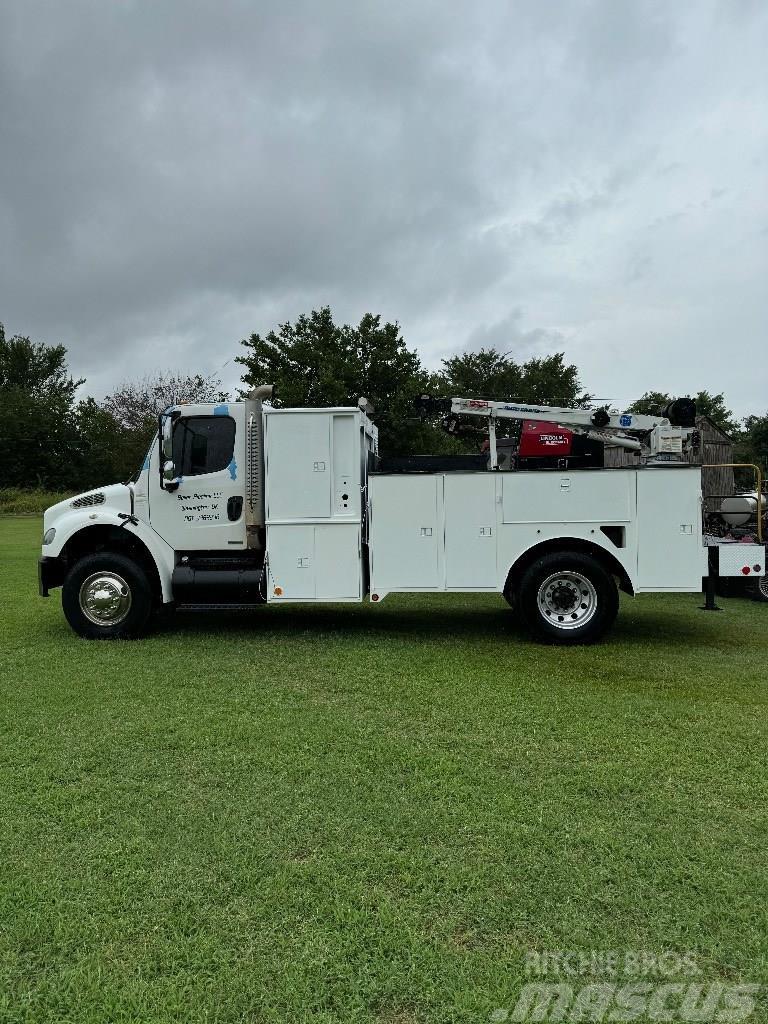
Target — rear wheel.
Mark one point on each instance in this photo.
(760, 592)
(567, 597)
(107, 596)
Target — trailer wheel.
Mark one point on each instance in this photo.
(760, 592)
(567, 597)
(107, 596)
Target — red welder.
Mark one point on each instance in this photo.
(544, 445)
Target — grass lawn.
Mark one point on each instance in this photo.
(368, 813)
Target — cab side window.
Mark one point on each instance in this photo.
(203, 444)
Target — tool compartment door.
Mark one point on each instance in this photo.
(470, 531)
(406, 537)
(338, 566)
(567, 496)
(316, 562)
(670, 555)
(298, 464)
(291, 560)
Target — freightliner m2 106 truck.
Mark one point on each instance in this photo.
(243, 504)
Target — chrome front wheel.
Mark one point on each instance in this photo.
(108, 596)
(105, 598)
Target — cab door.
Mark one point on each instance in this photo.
(204, 511)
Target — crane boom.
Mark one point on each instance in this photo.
(652, 436)
(579, 418)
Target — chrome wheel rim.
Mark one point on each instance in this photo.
(568, 600)
(105, 598)
(762, 586)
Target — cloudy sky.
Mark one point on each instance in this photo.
(578, 175)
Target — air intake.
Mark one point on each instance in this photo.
(87, 500)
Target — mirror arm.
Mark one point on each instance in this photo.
(160, 449)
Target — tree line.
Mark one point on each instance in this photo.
(54, 440)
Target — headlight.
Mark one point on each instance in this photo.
(49, 535)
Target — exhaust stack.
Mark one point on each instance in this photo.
(254, 446)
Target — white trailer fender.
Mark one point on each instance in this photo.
(77, 521)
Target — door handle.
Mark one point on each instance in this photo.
(234, 508)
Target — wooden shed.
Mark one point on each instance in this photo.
(716, 449)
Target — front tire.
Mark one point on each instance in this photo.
(107, 596)
(567, 597)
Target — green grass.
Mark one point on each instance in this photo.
(16, 502)
(368, 814)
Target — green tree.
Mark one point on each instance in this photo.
(49, 440)
(650, 403)
(707, 404)
(104, 454)
(547, 380)
(38, 432)
(391, 376)
(752, 444)
(316, 362)
(38, 370)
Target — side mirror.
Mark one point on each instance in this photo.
(168, 479)
(166, 437)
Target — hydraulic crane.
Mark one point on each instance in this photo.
(656, 438)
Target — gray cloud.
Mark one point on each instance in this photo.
(589, 176)
(509, 337)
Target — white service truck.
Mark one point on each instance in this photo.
(242, 504)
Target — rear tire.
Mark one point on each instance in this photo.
(760, 591)
(567, 597)
(107, 596)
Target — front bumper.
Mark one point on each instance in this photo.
(50, 574)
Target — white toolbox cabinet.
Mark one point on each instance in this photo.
(312, 464)
(315, 466)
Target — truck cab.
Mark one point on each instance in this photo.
(198, 526)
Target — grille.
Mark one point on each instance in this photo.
(89, 499)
